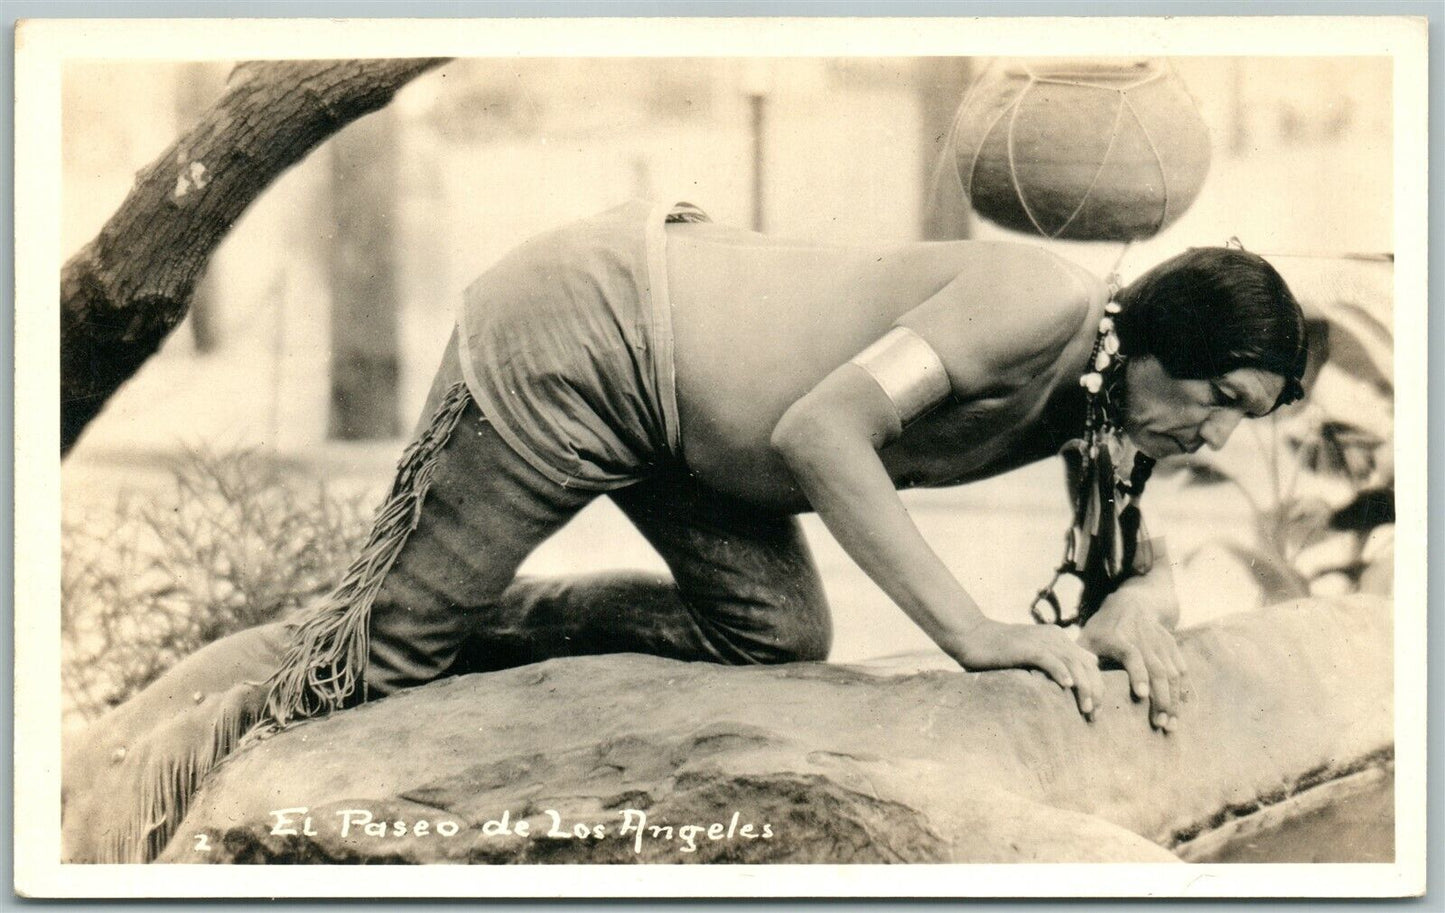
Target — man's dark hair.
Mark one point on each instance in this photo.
(1212, 310)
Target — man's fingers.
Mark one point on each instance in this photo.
(1072, 671)
(1086, 688)
(1133, 662)
(1176, 656)
(1161, 699)
(1055, 668)
(1096, 677)
(1170, 672)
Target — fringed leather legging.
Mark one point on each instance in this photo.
(743, 590)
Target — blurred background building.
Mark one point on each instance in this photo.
(479, 155)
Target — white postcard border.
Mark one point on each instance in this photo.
(42, 48)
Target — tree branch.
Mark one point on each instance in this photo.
(124, 292)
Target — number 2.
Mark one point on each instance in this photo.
(203, 843)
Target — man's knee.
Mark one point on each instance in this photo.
(810, 637)
(810, 642)
(780, 627)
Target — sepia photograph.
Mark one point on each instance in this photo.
(656, 443)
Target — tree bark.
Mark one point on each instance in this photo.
(200, 84)
(123, 293)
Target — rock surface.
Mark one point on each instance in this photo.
(810, 762)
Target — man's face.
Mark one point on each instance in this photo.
(1168, 416)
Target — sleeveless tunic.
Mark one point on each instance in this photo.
(566, 345)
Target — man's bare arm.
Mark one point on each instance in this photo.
(830, 440)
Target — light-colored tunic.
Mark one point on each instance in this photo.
(566, 345)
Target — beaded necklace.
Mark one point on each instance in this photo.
(1102, 547)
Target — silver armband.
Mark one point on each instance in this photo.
(908, 370)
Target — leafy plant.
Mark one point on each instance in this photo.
(241, 539)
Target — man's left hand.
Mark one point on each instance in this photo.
(1128, 633)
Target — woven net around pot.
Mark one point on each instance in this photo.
(1079, 150)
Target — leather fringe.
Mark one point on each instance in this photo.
(318, 672)
(328, 653)
(167, 768)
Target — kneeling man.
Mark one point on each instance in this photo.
(714, 383)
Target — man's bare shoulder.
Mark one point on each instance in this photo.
(1032, 276)
(1012, 311)
(1030, 292)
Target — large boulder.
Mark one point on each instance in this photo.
(639, 759)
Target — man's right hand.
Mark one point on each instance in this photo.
(829, 439)
(995, 645)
